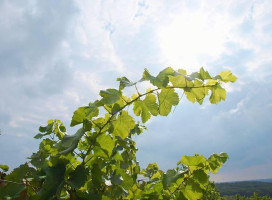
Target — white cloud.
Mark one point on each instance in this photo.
(239, 106)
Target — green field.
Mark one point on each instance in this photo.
(245, 190)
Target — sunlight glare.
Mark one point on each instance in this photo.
(189, 39)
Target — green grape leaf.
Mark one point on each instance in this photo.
(146, 107)
(211, 82)
(179, 80)
(70, 142)
(196, 160)
(106, 142)
(96, 175)
(84, 112)
(48, 128)
(38, 136)
(124, 82)
(196, 94)
(167, 99)
(204, 75)
(78, 177)
(110, 96)
(78, 116)
(123, 124)
(127, 179)
(161, 80)
(116, 179)
(54, 177)
(218, 94)
(193, 191)
(216, 160)
(226, 76)
(5, 168)
(192, 77)
(201, 177)
(171, 176)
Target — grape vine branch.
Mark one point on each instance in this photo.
(99, 160)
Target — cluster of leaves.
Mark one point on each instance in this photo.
(99, 160)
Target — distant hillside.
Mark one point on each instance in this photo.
(245, 188)
(264, 180)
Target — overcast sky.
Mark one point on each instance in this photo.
(57, 55)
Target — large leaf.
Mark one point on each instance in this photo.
(146, 107)
(110, 96)
(106, 142)
(179, 80)
(218, 94)
(84, 112)
(70, 142)
(167, 99)
(78, 177)
(193, 191)
(162, 79)
(127, 182)
(197, 93)
(196, 160)
(123, 124)
(54, 178)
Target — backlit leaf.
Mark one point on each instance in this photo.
(218, 94)
(167, 99)
(106, 142)
(146, 107)
(110, 96)
(161, 80)
(123, 124)
(226, 76)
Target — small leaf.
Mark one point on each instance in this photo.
(38, 136)
(124, 82)
(110, 96)
(5, 168)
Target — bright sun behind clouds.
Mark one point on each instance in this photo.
(187, 38)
